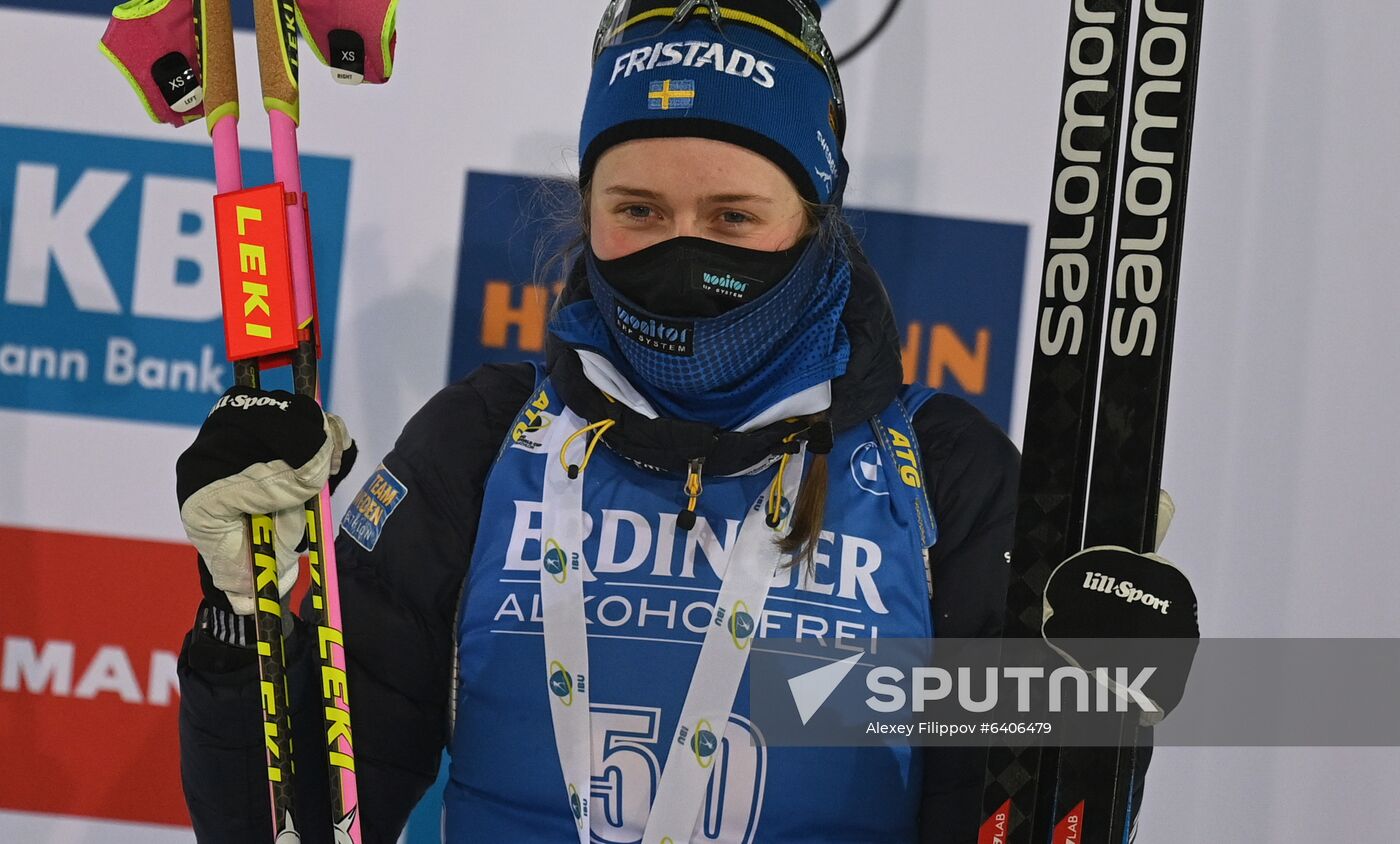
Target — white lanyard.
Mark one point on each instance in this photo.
(699, 734)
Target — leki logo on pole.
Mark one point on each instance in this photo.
(255, 272)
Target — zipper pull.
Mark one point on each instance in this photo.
(685, 520)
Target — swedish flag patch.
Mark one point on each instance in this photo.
(373, 506)
(671, 94)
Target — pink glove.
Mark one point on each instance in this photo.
(152, 42)
(354, 38)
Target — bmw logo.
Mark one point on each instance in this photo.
(867, 469)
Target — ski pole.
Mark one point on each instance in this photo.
(214, 28)
(276, 26)
(269, 303)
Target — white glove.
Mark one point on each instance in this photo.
(1166, 510)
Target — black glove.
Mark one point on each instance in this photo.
(1111, 607)
(257, 453)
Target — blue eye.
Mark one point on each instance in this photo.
(637, 212)
(736, 218)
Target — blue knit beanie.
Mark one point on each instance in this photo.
(750, 80)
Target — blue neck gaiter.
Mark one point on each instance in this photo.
(727, 368)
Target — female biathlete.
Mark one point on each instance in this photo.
(532, 576)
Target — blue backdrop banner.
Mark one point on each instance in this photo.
(109, 298)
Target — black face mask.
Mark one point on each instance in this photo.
(692, 277)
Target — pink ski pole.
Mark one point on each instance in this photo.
(276, 22)
(214, 25)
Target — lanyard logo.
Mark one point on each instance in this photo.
(575, 803)
(556, 562)
(704, 743)
(561, 683)
(741, 625)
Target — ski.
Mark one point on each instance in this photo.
(1094, 786)
(1058, 432)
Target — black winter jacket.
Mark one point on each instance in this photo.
(399, 601)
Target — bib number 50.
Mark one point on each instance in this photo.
(627, 770)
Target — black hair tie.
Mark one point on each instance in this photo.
(820, 437)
